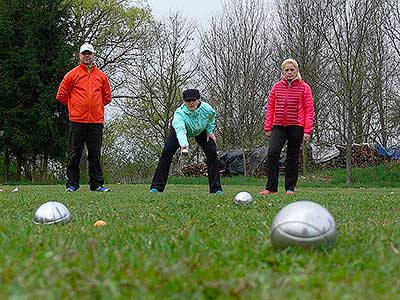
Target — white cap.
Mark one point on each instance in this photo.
(86, 47)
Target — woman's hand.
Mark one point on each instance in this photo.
(306, 137)
(211, 136)
(184, 150)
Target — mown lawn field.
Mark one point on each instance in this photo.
(188, 244)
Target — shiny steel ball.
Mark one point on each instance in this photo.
(243, 198)
(303, 223)
(52, 212)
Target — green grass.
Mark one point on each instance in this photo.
(188, 244)
(385, 175)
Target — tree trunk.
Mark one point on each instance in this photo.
(44, 168)
(29, 169)
(349, 146)
(34, 169)
(6, 165)
(244, 160)
(19, 167)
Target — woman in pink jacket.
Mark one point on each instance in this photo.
(289, 117)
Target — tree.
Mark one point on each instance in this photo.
(391, 28)
(156, 80)
(392, 24)
(236, 71)
(343, 26)
(116, 28)
(34, 59)
(380, 79)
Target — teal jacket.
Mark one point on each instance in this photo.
(189, 123)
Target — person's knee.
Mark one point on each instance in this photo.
(292, 156)
(73, 164)
(211, 153)
(167, 153)
(275, 155)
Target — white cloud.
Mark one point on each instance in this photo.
(200, 11)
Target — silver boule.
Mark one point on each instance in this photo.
(243, 198)
(303, 223)
(52, 212)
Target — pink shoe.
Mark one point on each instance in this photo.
(289, 192)
(266, 192)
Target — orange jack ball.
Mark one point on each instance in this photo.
(100, 223)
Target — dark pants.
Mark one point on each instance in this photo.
(294, 137)
(90, 134)
(170, 147)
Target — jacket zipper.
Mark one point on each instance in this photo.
(286, 101)
(90, 96)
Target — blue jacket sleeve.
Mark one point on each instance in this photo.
(179, 125)
(211, 120)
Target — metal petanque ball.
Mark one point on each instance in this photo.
(305, 224)
(243, 198)
(52, 212)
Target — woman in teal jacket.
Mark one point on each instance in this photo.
(193, 118)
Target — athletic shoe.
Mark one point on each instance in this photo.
(289, 192)
(154, 190)
(220, 192)
(71, 189)
(266, 192)
(102, 189)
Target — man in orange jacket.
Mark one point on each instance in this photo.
(85, 90)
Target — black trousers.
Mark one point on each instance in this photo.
(170, 147)
(80, 134)
(294, 137)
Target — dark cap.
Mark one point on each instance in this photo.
(191, 94)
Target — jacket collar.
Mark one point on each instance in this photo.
(187, 111)
(85, 67)
(294, 82)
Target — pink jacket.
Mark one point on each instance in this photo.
(290, 105)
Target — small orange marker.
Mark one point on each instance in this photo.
(100, 223)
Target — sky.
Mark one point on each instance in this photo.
(199, 10)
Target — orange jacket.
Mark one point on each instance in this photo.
(85, 93)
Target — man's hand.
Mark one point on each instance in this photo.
(306, 137)
(268, 133)
(211, 136)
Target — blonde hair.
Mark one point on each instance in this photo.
(294, 63)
